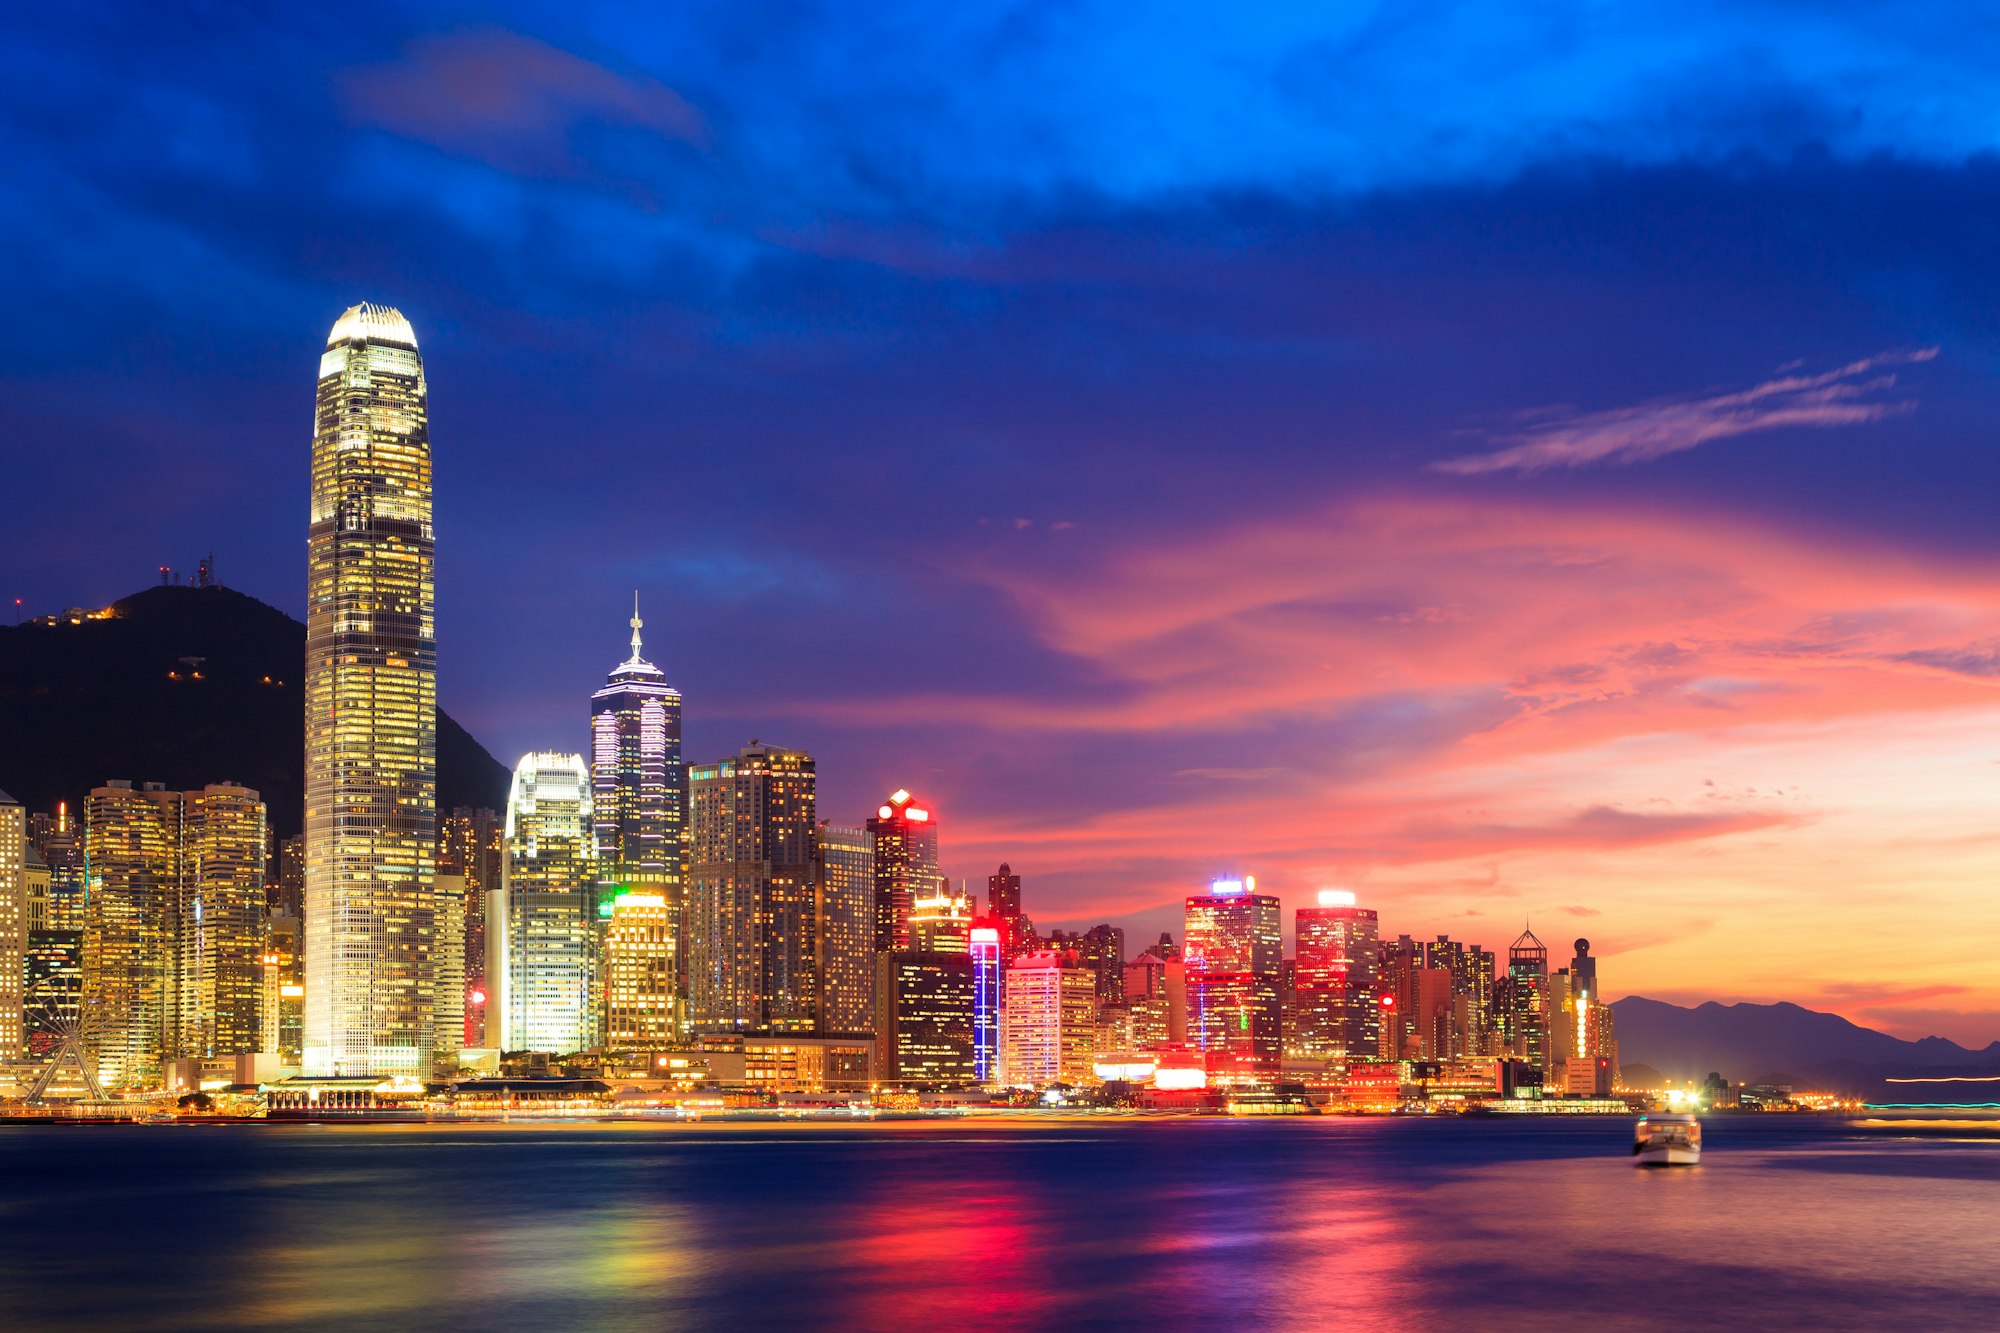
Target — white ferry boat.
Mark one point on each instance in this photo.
(1667, 1140)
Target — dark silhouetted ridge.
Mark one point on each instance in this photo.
(120, 697)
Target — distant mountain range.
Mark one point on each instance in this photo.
(1786, 1043)
(184, 686)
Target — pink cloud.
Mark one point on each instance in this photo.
(1848, 396)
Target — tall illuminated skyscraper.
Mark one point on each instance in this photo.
(846, 920)
(752, 893)
(1524, 1010)
(1335, 994)
(906, 865)
(986, 950)
(642, 994)
(371, 705)
(1049, 1024)
(636, 777)
(13, 926)
(541, 923)
(220, 919)
(132, 848)
(1234, 950)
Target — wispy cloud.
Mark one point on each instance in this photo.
(1852, 395)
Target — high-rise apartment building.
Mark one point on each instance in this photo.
(13, 928)
(541, 922)
(371, 706)
(642, 991)
(846, 919)
(752, 898)
(448, 958)
(218, 918)
(1156, 998)
(906, 865)
(1048, 1027)
(1334, 996)
(1234, 947)
(132, 843)
(636, 777)
(284, 989)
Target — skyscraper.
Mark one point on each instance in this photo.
(13, 927)
(1048, 1028)
(642, 994)
(1003, 907)
(473, 844)
(846, 919)
(1524, 1012)
(1234, 949)
(132, 847)
(1335, 990)
(540, 924)
(636, 777)
(906, 865)
(752, 893)
(986, 965)
(371, 705)
(220, 921)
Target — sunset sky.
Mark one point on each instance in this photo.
(1520, 462)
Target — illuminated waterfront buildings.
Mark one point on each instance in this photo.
(1334, 987)
(1101, 950)
(1048, 1027)
(540, 923)
(642, 993)
(906, 865)
(637, 781)
(846, 919)
(1233, 951)
(371, 706)
(13, 927)
(751, 925)
(284, 990)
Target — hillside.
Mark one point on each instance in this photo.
(1757, 1041)
(117, 697)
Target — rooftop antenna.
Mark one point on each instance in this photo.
(636, 623)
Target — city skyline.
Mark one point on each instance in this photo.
(1515, 530)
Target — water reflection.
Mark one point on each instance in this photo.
(1159, 1225)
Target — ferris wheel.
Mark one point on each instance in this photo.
(53, 1005)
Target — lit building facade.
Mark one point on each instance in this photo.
(371, 706)
(14, 927)
(752, 899)
(1102, 950)
(132, 848)
(905, 833)
(1003, 905)
(1048, 1027)
(924, 1016)
(987, 952)
(1334, 988)
(540, 925)
(637, 781)
(846, 920)
(448, 958)
(284, 989)
(1233, 950)
(219, 919)
(642, 993)
(473, 843)
(1524, 1002)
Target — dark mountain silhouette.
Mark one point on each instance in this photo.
(1783, 1043)
(119, 697)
